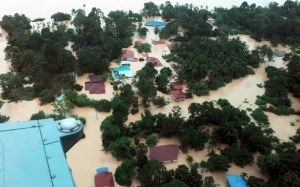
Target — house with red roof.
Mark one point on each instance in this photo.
(104, 179)
(155, 61)
(138, 42)
(164, 153)
(176, 91)
(127, 55)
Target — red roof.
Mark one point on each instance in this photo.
(154, 61)
(104, 179)
(176, 86)
(177, 94)
(145, 55)
(164, 153)
(158, 42)
(95, 87)
(126, 53)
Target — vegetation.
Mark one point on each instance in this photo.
(3, 118)
(144, 47)
(59, 16)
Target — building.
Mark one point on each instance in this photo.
(176, 91)
(138, 42)
(32, 153)
(164, 153)
(236, 181)
(127, 55)
(211, 20)
(104, 179)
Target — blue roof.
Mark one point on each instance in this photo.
(155, 23)
(100, 170)
(236, 181)
(31, 154)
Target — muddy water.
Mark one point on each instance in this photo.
(87, 155)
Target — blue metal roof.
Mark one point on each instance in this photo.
(236, 181)
(31, 154)
(155, 23)
(100, 170)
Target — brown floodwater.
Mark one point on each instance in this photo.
(87, 155)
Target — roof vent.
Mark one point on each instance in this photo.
(69, 125)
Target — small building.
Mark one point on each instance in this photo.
(236, 181)
(104, 179)
(176, 91)
(127, 55)
(211, 20)
(155, 61)
(122, 71)
(164, 153)
(209, 180)
(176, 86)
(95, 78)
(178, 95)
(279, 53)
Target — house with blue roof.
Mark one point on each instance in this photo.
(32, 153)
(236, 181)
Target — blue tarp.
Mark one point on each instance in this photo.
(99, 170)
(236, 181)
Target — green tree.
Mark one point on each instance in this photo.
(151, 140)
(141, 155)
(110, 132)
(160, 101)
(122, 148)
(63, 108)
(46, 96)
(154, 173)
(125, 172)
(142, 31)
(217, 162)
(39, 115)
(2, 117)
(257, 182)
(59, 16)
(175, 183)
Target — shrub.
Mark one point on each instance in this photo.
(46, 96)
(141, 59)
(151, 140)
(40, 115)
(82, 119)
(134, 111)
(77, 87)
(82, 100)
(102, 106)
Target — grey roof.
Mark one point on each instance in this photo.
(32, 153)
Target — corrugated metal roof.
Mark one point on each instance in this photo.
(31, 154)
(164, 153)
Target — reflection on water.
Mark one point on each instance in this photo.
(87, 155)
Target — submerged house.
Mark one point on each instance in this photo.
(96, 85)
(164, 153)
(176, 91)
(127, 55)
(32, 153)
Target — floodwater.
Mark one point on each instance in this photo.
(87, 155)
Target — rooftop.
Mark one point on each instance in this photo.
(176, 86)
(104, 179)
(164, 153)
(32, 153)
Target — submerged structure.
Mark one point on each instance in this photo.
(32, 153)
(236, 181)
